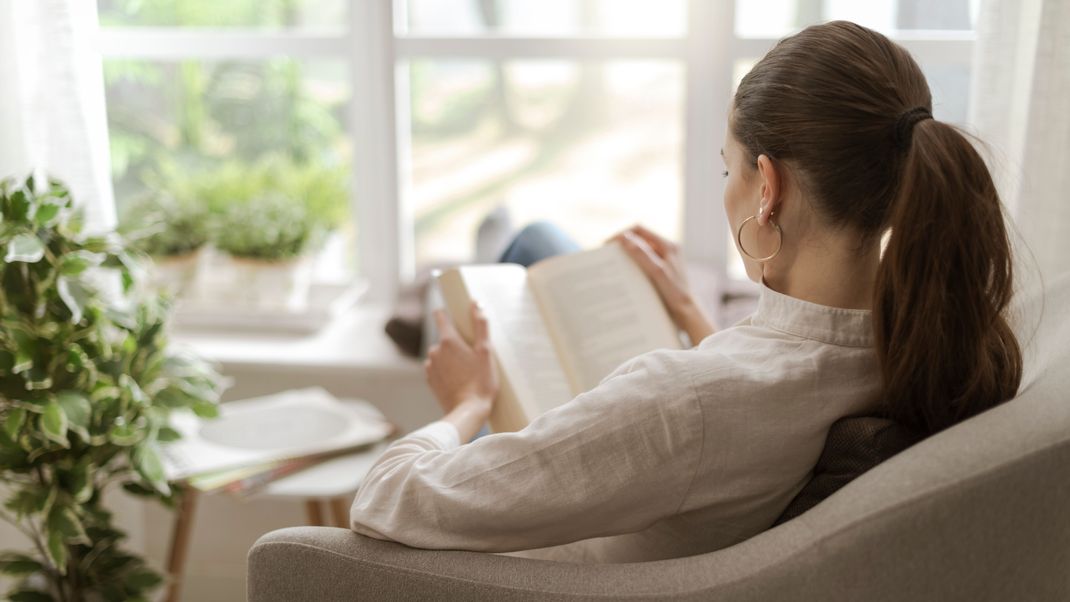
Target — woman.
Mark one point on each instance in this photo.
(831, 145)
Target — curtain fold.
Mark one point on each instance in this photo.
(1020, 109)
(52, 115)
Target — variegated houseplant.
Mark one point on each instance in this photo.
(87, 383)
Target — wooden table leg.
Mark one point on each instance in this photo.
(180, 537)
(341, 512)
(315, 513)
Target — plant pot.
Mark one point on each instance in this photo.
(174, 273)
(254, 283)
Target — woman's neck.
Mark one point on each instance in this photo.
(838, 274)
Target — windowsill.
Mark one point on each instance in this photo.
(352, 342)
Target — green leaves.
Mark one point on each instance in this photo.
(87, 383)
(76, 262)
(76, 407)
(16, 565)
(25, 248)
(81, 480)
(124, 435)
(143, 579)
(13, 422)
(57, 551)
(75, 295)
(30, 595)
(31, 500)
(206, 409)
(46, 214)
(54, 423)
(64, 521)
(148, 464)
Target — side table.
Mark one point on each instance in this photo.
(332, 483)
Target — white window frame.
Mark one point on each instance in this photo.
(379, 111)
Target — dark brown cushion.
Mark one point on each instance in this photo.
(854, 445)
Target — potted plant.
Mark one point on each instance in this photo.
(267, 219)
(87, 384)
(172, 232)
(265, 240)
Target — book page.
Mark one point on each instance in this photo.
(288, 425)
(601, 311)
(523, 347)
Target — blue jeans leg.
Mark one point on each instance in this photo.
(536, 242)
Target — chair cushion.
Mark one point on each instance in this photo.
(854, 445)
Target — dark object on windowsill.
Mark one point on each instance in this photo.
(854, 445)
(406, 326)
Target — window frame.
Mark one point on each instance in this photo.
(375, 50)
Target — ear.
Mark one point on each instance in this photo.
(770, 189)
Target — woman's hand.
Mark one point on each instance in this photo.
(463, 377)
(662, 263)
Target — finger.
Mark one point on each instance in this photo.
(445, 326)
(479, 325)
(660, 245)
(649, 261)
(615, 238)
(640, 252)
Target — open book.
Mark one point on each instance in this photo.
(290, 425)
(559, 327)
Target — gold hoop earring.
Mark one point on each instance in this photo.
(742, 249)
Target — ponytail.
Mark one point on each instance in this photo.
(946, 350)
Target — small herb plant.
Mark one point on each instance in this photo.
(272, 227)
(164, 226)
(273, 209)
(87, 383)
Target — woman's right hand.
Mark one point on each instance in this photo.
(661, 261)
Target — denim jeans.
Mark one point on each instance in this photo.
(538, 241)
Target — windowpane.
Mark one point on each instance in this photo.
(595, 147)
(777, 18)
(545, 17)
(224, 13)
(211, 133)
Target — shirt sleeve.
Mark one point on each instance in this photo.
(614, 460)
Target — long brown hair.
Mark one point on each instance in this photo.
(848, 109)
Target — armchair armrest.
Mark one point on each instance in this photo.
(327, 564)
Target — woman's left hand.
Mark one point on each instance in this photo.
(663, 264)
(459, 373)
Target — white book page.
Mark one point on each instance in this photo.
(291, 424)
(521, 341)
(601, 310)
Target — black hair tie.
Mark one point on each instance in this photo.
(904, 125)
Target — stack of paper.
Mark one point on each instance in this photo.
(258, 440)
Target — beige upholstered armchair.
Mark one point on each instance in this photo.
(978, 512)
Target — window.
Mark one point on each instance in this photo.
(593, 113)
(212, 102)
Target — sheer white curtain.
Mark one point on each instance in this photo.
(52, 118)
(1020, 107)
(52, 100)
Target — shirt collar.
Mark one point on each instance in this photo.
(833, 325)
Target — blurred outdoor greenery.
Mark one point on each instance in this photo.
(190, 139)
(219, 132)
(222, 13)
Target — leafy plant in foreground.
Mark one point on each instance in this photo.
(87, 383)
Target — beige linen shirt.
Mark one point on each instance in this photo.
(675, 453)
